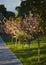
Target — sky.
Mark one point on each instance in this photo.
(10, 4)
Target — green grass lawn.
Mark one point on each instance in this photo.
(28, 57)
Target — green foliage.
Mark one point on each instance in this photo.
(35, 6)
(3, 10)
(10, 15)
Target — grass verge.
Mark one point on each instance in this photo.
(22, 51)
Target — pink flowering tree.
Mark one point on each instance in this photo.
(32, 29)
(12, 28)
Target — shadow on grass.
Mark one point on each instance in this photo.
(32, 57)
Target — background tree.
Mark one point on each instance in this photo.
(5, 13)
(36, 6)
(3, 10)
(10, 15)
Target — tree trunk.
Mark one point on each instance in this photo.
(29, 48)
(19, 42)
(16, 41)
(38, 50)
(23, 45)
(12, 40)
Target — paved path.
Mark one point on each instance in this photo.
(6, 56)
